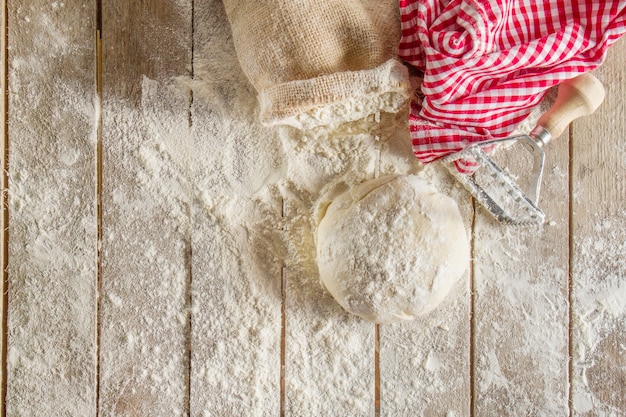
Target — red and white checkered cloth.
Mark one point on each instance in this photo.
(487, 63)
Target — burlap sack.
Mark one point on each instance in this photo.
(320, 62)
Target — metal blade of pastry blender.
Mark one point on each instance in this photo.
(493, 188)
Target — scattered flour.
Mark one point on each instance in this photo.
(242, 197)
(599, 320)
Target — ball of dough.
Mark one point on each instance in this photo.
(391, 249)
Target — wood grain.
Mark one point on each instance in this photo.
(4, 216)
(146, 230)
(521, 299)
(52, 230)
(179, 333)
(598, 246)
(236, 288)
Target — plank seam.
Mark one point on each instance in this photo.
(376, 370)
(570, 283)
(376, 326)
(472, 307)
(283, 332)
(5, 209)
(188, 342)
(283, 325)
(189, 251)
(99, 188)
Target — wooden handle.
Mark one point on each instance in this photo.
(577, 97)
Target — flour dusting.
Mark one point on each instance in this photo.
(599, 321)
(209, 231)
(52, 227)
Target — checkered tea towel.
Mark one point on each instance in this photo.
(487, 63)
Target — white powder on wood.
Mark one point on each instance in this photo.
(239, 181)
(599, 320)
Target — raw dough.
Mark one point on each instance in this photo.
(391, 249)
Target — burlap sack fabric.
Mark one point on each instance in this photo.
(320, 62)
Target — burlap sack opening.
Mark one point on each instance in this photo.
(320, 63)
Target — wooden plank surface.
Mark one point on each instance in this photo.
(146, 231)
(53, 239)
(521, 300)
(4, 216)
(197, 243)
(599, 243)
(329, 354)
(237, 247)
(425, 364)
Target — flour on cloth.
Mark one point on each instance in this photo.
(487, 63)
